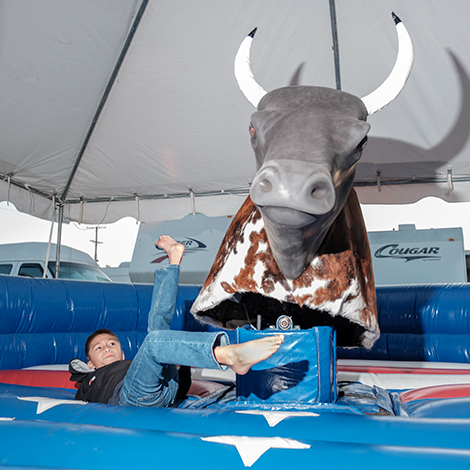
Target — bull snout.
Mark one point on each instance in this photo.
(294, 184)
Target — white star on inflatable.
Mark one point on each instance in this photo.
(275, 417)
(47, 403)
(252, 448)
(7, 419)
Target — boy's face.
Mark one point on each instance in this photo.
(104, 349)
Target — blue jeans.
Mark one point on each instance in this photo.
(152, 378)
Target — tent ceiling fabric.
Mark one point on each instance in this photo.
(175, 121)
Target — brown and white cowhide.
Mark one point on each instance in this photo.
(336, 289)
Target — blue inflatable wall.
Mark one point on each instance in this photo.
(421, 323)
(47, 321)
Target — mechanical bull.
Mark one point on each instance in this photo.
(298, 246)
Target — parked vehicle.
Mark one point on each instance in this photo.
(29, 259)
(201, 235)
(403, 256)
(410, 256)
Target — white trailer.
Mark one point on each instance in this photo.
(410, 256)
(403, 256)
(201, 236)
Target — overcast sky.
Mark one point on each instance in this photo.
(118, 239)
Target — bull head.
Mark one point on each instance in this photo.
(307, 141)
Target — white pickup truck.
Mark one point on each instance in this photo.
(29, 259)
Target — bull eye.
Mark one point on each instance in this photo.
(362, 144)
(252, 131)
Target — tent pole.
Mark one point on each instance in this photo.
(105, 96)
(49, 242)
(59, 237)
(334, 35)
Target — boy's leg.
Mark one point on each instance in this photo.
(165, 288)
(149, 380)
(152, 379)
(164, 295)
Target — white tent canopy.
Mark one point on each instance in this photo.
(164, 131)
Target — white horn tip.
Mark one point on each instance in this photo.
(395, 82)
(244, 75)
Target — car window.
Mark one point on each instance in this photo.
(30, 270)
(5, 268)
(81, 272)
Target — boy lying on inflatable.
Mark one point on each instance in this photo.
(152, 379)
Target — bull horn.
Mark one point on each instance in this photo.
(244, 75)
(395, 82)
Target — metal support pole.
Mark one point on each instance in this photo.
(59, 238)
(334, 35)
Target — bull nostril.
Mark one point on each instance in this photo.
(265, 185)
(319, 192)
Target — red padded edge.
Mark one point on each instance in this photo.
(438, 391)
(60, 379)
(202, 388)
(38, 378)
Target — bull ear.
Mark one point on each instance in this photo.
(244, 75)
(395, 82)
(350, 133)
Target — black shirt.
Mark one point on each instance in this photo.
(100, 385)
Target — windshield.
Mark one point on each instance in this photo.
(80, 272)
